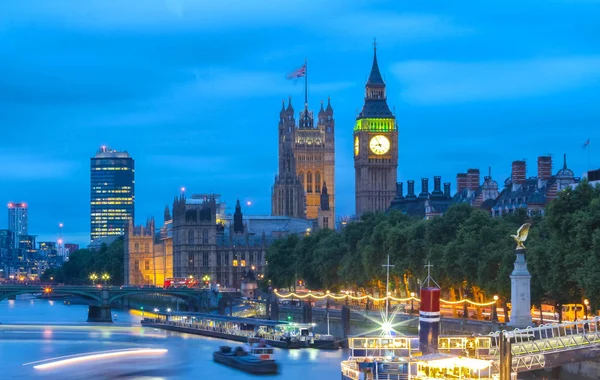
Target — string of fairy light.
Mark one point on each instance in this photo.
(347, 295)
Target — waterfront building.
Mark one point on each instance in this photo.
(375, 148)
(202, 241)
(112, 197)
(306, 162)
(17, 220)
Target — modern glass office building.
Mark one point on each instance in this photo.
(17, 221)
(112, 196)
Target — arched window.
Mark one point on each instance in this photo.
(309, 182)
(190, 237)
(301, 178)
(147, 248)
(317, 182)
(204, 236)
(136, 247)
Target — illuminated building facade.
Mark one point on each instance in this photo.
(375, 148)
(17, 221)
(306, 162)
(199, 240)
(112, 196)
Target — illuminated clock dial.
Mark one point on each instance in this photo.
(379, 144)
(356, 146)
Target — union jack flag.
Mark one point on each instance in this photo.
(297, 73)
(586, 143)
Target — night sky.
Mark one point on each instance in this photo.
(192, 90)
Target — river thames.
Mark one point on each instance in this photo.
(34, 330)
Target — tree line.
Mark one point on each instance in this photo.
(83, 262)
(472, 253)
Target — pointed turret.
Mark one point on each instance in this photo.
(167, 213)
(375, 78)
(329, 109)
(375, 96)
(324, 198)
(290, 109)
(238, 225)
(322, 110)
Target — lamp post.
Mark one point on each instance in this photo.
(105, 278)
(412, 303)
(93, 277)
(586, 303)
(495, 309)
(206, 279)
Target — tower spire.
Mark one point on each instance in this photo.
(375, 78)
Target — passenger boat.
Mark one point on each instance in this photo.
(242, 360)
(399, 358)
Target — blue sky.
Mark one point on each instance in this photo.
(192, 90)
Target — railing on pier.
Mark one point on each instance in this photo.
(528, 346)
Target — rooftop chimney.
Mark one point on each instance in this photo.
(519, 172)
(411, 189)
(399, 190)
(424, 188)
(447, 191)
(461, 182)
(544, 164)
(437, 187)
(473, 179)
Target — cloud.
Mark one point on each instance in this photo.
(431, 82)
(390, 26)
(34, 167)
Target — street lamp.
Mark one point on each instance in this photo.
(93, 277)
(105, 278)
(412, 303)
(585, 308)
(495, 309)
(206, 279)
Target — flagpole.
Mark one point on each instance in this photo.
(305, 82)
(589, 154)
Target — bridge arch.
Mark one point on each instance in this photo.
(187, 297)
(86, 295)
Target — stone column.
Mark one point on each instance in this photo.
(520, 293)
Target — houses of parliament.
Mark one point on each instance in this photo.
(305, 184)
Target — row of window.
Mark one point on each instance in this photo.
(112, 168)
(308, 186)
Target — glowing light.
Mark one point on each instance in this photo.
(248, 203)
(386, 328)
(182, 189)
(495, 298)
(98, 356)
(60, 225)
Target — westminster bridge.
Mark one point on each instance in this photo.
(100, 298)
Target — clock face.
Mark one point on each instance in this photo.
(379, 144)
(356, 146)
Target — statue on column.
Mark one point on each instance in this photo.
(520, 283)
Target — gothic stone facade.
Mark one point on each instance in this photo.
(306, 163)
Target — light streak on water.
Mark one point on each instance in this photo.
(77, 359)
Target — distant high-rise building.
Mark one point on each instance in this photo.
(112, 195)
(17, 221)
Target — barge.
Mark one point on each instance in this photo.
(238, 358)
(280, 334)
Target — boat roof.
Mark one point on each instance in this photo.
(226, 318)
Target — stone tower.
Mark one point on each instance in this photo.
(287, 197)
(314, 150)
(375, 148)
(139, 254)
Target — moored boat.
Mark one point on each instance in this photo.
(238, 358)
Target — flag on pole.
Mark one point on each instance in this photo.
(299, 73)
(585, 144)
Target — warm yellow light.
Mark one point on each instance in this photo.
(495, 298)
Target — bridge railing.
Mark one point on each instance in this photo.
(550, 337)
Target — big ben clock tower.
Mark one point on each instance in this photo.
(375, 148)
